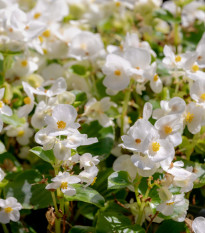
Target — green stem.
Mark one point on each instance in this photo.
(57, 225)
(5, 228)
(125, 106)
(137, 179)
(54, 201)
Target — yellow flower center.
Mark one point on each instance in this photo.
(170, 203)
(189, 117)
(195, 68)
(155, 146)
(117, 72)
(24, 63)
(178, 58)
(155, 78)
(8, 209)
(21, 133)
(46, 33)
(27, 100)
(118, 4)
(94, 180)
(138, 68)
(64, 185)
(41, 39)
(203, 96)
(138, 141)
(45, 51)
(37, 15)
(61, 124)
(167, 129)
(1, 104)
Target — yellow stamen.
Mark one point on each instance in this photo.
(155, 146)
(64, 185)
(45, 51)
(8, 209)
(178, 58)
(167, 129)
(189, 117)
(20, 133)
(155, 77)
(61, 124)
(138, 68)
(121, 47)
(195, 68)
(46, 33)
(117, 72)
(41, 39)
(129, 120)
(94, 180)
(27, 100)
(1, 104)
(11, 29)
(138, 141)
(27, 27)
(24, 63)
(203, 96)
(37, 15)
(118, 4)
(170, 203)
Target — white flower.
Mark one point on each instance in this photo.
(22, 133)
(197, 91)
(170, 128)
(61, 122)
(62, 181)
(193, 117)
(28, 101)
(117, 71)
(86, 45)
(198, 225)
(4, 109)
(167, 208)
(2, 174)
(87, 160)
(201, 52)
(89, 175)
(95, 110)
(140, 60)
(9, 210)
(176, 105)
(43, 139)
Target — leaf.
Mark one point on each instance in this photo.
(166, 16)
(27, 191)
(20, 228)
(80, 98)
(9, 163)
(112, 219)
(78, 69)
(118, 180)
(186, 147)
(87, 210)
(82, 229)
(47, 155)
(170, 226)
(13, 120)
(105, 139)
(86, 194)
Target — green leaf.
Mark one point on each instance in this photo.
(26, 189)
(78, 69)
(186, 147)
(87, 210)
(80, 98)
(170, 226)
(13, 120)
(21, 228)
(47, 155)
(105, 139)
(82, 229)
(166, 16)
(112, 219)
(86, 194)
(118, 180)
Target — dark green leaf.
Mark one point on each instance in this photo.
(170, 226)
(118, 180)
(82, 229)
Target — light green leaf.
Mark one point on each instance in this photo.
(118, 180)
(13, 120)
(47, 155)
(78, 69)
(86, 194)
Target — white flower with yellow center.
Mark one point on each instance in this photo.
(87, 160)
(9, 210)
(197, 91)
(4, 109)
(170, 127)
(28, 101)
(62, 120)
(22, 133)
(167, 208)
(194, 117)
(89, 175)
(117, 71)
(63, 181)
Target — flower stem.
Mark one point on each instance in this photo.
(5, 228)
(125, 105)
